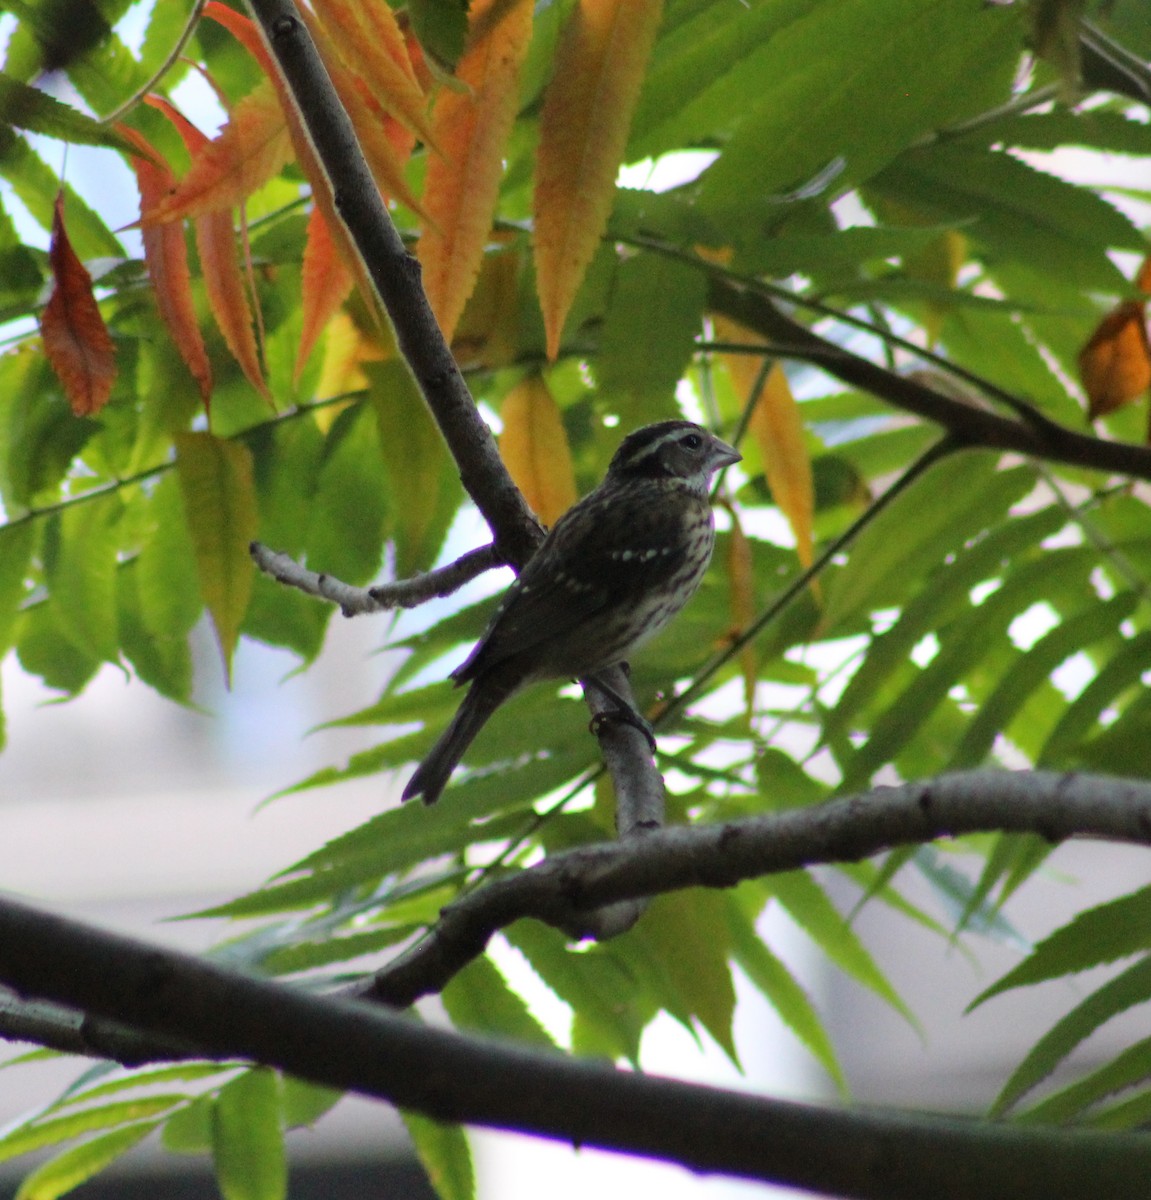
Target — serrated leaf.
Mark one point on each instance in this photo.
(420, 478)
(1128, 1068)
(650, 327)
(220, 509)
(445, 1154)
(479, 998)
(32, 109)
(801, 122)
(808, 905)
(1095, 936)
(535, 450)
(80, 566)
(599, 65)
(471, 128)
(250, 149)
(248, 1138)
(779, 987)
(1132, 987)
(70, 1169)
(50, 1131)
(76, 340)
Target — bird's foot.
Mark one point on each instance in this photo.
(626, 716)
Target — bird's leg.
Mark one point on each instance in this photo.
(624, 711)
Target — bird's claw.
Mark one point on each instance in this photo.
(627, 716)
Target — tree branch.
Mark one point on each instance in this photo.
(1034, 434)
(559, 890)
(451, 1077)
(395, 275)
(354, 601)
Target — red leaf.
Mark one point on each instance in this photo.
(166, 254)
(219, 261)
(325, 284)
(76, 339)
(1115, 365)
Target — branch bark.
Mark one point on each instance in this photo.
(450, 1077)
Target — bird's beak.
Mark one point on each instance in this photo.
(723, 455)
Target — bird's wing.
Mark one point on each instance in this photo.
(578, 572)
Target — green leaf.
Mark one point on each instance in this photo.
(189, 1129)
(651, 324)
(1132, 987)
(220, 510)
(442, 27)
(687, 936)
(479, 998)
(1094, 937)
(610, 1010)
(45, 649)
(1130, 1067)
(29, 108)
(50, 1131)
(346, 518)
(70, 1169)
(926, 65)
(80, 566)
(305, 1103)
(420, 478)
(808, 905)
(248, 1138)
(776, 983)
(445, 1154)
(1019, 213)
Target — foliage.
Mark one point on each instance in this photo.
(883, 165)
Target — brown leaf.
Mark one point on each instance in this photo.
(1115, 365)
(76, 340)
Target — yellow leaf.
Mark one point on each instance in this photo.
(472, 128)
(937, 263)
(368, 39)
(587, 111)
(219, 491)
(777, 426)
(535, 448)
(325, 283)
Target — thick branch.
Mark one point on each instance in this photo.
(455, 1078)
(1036, 435)
(1052, 805)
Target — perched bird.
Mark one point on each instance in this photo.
(613, 571)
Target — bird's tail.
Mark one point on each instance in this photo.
(431, 776)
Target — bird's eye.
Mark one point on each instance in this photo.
(692, 441)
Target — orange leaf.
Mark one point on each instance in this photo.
(325, 284)
(1115, 365)
(251, 149)
(386, 164)
(461, 188)
(368, 39)
(1143, 277)
(777, 426)
(534, 446)
(219, 262)
(166, 254)
(76, 340)
(599, 66)
(245, 31)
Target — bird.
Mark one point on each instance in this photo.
(612, 572)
